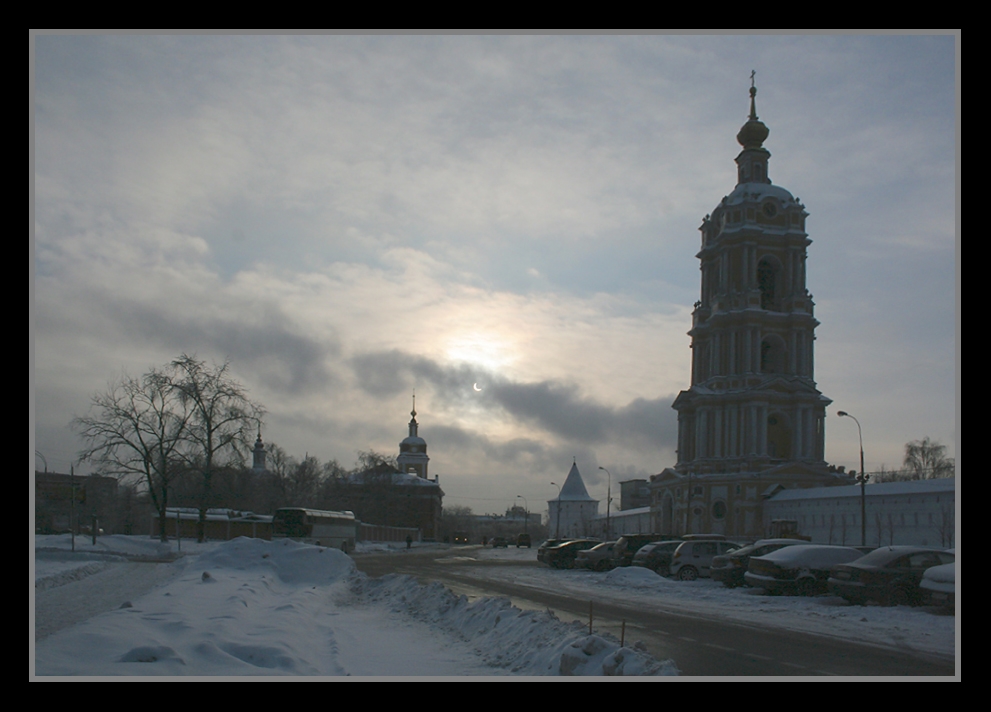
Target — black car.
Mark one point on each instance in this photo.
(889, 575)
(656, 556)
(549, 544)
(629, 544)
(563, 556)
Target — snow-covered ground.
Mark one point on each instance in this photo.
(926, 629)
(250, 607)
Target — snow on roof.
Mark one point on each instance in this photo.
(947, 484)
(624, 513)
(395, 478)
(755, 191)
(574, 488)
(940, 578)
(813, 555)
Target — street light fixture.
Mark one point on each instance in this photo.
(526, 512)
(608, 503)
(862, 478)
(557, 526)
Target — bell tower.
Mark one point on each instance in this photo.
(413, 458)
(753, 402)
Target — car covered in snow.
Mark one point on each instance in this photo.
(939, 585)
(890, 575)
(803, 569)
(729, 569)
(693, 558)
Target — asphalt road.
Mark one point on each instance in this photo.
(702, 646)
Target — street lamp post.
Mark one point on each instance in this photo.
(557, 526)
(862, 478)
(526, 512)
(608, 503)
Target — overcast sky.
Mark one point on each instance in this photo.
(349, 218)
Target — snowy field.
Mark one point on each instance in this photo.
(250, 607)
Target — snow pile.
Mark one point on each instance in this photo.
(522, 642)
(634, 577)
(290, 561)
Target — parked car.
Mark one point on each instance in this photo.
(549, 544)
(693, 558)
(523, 540)
(939, 585)
(802, 569)
(656, 556)
(600, 557)
(500, 541)
(563, 555)
(890, 575)
(729, 569)
(628, 545)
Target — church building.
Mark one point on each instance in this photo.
(402, 496)
(752, 421)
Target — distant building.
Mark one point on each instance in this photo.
(403, 497)
(627, 521)
(752, 419)
(571, 514)
(919, 513)
(94, 496)
(634, 494)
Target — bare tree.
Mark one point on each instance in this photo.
(135, 431)
(222, 421)
(926, 460)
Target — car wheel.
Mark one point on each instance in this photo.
(688, 573)
(899, 597)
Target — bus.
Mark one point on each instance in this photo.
(315, 526)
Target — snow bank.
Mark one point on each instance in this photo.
(522, 642)
(634, 577)
(291, 561)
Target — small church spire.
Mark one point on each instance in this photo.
(752, 161)
(412, 422)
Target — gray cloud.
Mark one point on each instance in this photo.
(554, 406)
(280, 359)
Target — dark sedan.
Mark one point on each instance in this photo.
(656, 556)
(730, 568)
(889, 575)
(801, 569)
(563, 556)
